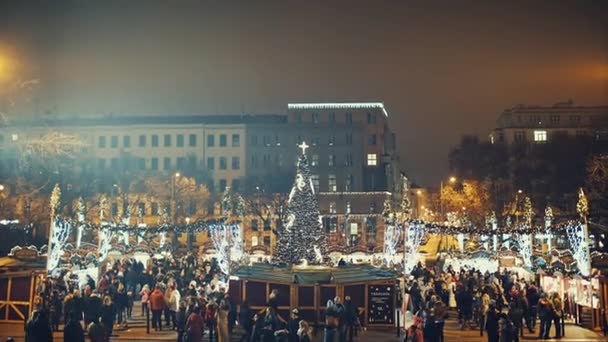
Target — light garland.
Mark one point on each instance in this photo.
(579, 247)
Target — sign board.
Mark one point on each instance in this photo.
(506, 262)
(380, 300)
(26, 254)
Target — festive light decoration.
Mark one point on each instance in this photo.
(525, 248)
(228, 243)
(392, 231)
(58, 232)
(548, 221)
(406, 206)
(302, 231)
(105, 243)
(80, 213)
(579, 247)
(414, 235)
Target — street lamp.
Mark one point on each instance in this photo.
(1, 187)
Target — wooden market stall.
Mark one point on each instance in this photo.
(19, 278)
(372, 290)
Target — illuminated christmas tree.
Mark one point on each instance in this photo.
(302, 238)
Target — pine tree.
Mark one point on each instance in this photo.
(302, 236)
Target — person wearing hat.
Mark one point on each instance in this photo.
(293, 325)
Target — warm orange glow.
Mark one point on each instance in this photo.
(452, 179)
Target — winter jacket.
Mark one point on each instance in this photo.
(157, 300)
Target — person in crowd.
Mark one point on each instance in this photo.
(545, 313)
(414, 332)
(55, 310)
(340, 330)
(92, 306)
(195, 326)
(182, 317)
(121, 301)
(108, 314)
(222, 322)
(38, 327)
(145, 298)
(507, 330)
(350, 318)
(516, 316)
(558, 314)
(157, 305)
(304, 333)
(211, 317)
(232, 313)
(130, 304)
(90, 282)
(173, 305)
(95, 332)
(293, 325)
(78, 303)
(331, 321)
(246, 321)
(533, 297)
(68, 306)
(270, 324)
(492, 328)
(430, 330)
(72, 331)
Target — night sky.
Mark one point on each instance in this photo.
(441, 69)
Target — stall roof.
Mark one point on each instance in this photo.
(14, 264)
(344, 274)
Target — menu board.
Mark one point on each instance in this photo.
(380, 299)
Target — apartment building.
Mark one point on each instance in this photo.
(539, 124)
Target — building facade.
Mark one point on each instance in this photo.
(539, 124)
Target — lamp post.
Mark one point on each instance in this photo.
(174, 203)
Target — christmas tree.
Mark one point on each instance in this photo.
(302, 237)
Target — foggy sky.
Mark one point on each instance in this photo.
(442, 68)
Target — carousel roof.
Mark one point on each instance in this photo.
(316, 274)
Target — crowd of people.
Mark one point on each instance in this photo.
(500, 305)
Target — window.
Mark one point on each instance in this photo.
(141, 207)
(575, 119)
(348, 159)
(154, 164)
(102, 142)
(332, 117)
(315, 160)
(266, 140)
(210, 163)
(192, 140)
(332, 207)
(519, 136)
(236, 163)
(167, 140)
(154, 209)
(331, 160)
(192, 162)
(255, 161)
(180, 162)
(331, 183)
(266, 160)
(223, 163)
(332, 140)
(222, 185)
(223, 140)
(166, 163)
(210, 140)
(180, 140)
(330, 223)
(540, 136)
(101, 163)
(372, 140)
(371, 118)
(254, 225)
(277, 140)
(236, 140)
(299, 117)
(371, 229)
(348, 208)
(142, 141)
(126, 141)
(114, 141)
(154, 140)
(349, 139)
(348, 118)
(254, 140)
(554, 119)
(267, 225)
(254, 241)
(141, 163)
(266, 241)
(348, 183)
(236, 184)
(315, 182)
(315, 118)
(114, 163)
(372, 159)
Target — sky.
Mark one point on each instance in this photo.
(442, 68)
